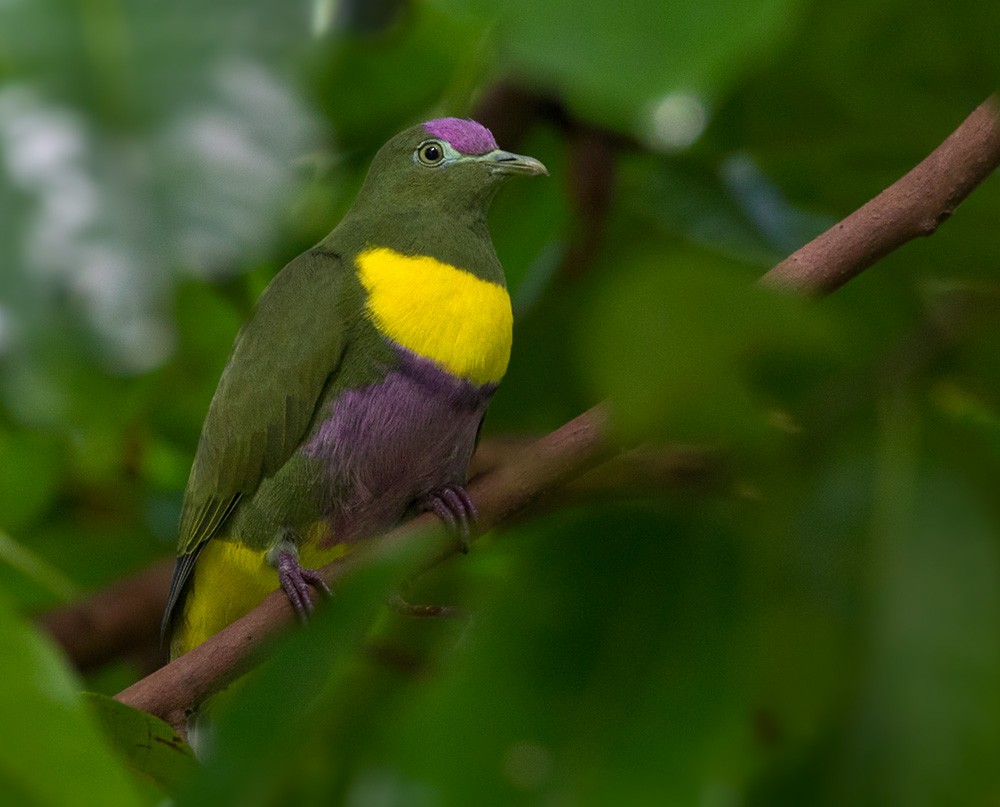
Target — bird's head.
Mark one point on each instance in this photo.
(451, 164)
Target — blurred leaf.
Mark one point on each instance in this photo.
(32, 470)
(40, 571)
(860, 95)
(262, 734)
(680, 341)
(680, 200)
(165, 466)
(165, 151)
(148, 745)
(594, 54)
(523, 220)
(580, 654)
(733, 209)
(52, 752)
(935, 636)
(376, 84)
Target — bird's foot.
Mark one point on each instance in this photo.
(454, 507)
(295, 582)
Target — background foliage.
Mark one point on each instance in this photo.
(817, 623)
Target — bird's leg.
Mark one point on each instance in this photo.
(454, 507)
(294, 579)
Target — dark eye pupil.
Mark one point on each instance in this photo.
(432, 153)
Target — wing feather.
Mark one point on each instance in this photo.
(266, 399)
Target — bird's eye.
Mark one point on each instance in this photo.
(430, 153)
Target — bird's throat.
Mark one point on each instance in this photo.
(441, 312)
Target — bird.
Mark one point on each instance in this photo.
(354, 394)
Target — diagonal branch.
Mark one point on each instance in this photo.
(116, 620)
(123, 617)
(913, 206)
(549, 462)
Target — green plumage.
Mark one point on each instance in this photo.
(265, 470)
(267, 396)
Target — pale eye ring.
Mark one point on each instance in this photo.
(430, 153)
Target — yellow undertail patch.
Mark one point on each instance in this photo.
(229, 580)
(457, 320)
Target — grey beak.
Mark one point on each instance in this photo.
(506, 162)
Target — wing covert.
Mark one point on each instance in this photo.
(268, 392)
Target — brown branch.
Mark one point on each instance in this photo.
(645, 472)
(123, 618)
(913, 206)
(113, 621)
(170, 692)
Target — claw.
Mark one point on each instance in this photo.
(440, 508)
(454, 507)
(295, 582)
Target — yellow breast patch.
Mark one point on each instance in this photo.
(457, 320)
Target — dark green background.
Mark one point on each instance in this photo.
(819, 623)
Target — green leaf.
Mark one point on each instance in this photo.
(149, 746)
(614, 62)
(51, 749)
(688, 348)
(33, 464)
(263, 733)
(363, 86)
(935, 635)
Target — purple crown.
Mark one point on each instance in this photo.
(465, 136)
